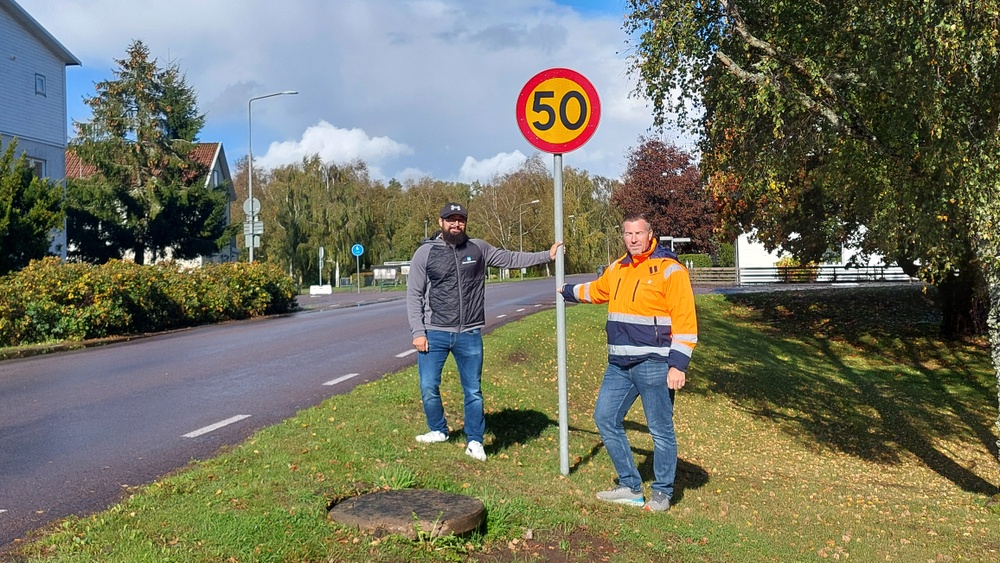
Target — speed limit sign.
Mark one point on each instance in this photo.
(558, 110)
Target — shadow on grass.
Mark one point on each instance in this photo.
(689, 475)
(511, 426)
(802, 373)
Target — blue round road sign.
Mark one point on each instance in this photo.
(357, 250)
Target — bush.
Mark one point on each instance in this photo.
(790, 270)
(727, 255)
(367, 279)
(696, 260)
(51, 301)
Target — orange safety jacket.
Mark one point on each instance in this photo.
(651, 314)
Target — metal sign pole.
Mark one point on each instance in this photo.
(321, 252)
(557, 173)
(557, 111)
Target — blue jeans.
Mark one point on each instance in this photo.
(619, 391)
(467, 349)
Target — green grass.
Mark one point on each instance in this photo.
(816, 425)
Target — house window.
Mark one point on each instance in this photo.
(40, 85)
(37, 166)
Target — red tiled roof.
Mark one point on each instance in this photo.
(77, 169)
(205, 152)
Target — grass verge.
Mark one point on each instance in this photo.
(815, 425)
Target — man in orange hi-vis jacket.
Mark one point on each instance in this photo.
(652, 330)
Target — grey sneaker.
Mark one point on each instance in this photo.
(658, 502)
(622, 495)
(432, 437)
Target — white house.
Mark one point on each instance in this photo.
(757, 265)
(213, 157)
(33, 94)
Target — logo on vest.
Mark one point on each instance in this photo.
(468, 260)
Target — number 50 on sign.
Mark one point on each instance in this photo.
(558, 110)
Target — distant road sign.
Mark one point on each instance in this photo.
(251, 206)
(253, 227)
(357, 250)
(558, 110)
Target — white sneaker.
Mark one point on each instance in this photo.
(433, 437)
(475, 451)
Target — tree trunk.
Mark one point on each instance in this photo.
(964, 303)
(992, 276)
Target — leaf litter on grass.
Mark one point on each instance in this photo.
(800, 439)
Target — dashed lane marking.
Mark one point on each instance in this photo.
(406, 353)
(501, 316)
(216, 426)
(521, 310)
(341, 378)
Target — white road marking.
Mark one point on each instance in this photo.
(2, 510)
(216, 426)
(407, 353)
(501, 316)
(521, 310)
(539, 304)
(341, 378)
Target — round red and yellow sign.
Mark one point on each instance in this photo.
(558, 110)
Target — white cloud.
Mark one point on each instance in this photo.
(414, 85)
(411, 175)
(333, 145)
(484, 170)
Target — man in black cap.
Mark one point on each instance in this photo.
(445, 305)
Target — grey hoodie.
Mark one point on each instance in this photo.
(446, 286)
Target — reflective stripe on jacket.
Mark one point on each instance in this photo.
(651, 313)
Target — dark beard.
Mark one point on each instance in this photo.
(454, 240)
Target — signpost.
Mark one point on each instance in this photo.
(357, 250)
(322, 251)
(252, 227)
(321, 289)
(558, 111)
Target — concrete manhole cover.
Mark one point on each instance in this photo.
(406, 511)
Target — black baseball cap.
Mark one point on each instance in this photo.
(450, 209)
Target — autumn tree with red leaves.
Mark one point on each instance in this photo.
(664, 183)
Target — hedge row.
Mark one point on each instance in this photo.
(696, 260)
(51, 301)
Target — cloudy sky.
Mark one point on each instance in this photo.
(412, 87)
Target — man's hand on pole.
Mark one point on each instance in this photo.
(554, 251)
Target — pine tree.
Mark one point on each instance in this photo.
(149, 193)
(30, 208)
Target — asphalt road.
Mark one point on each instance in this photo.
(77, 428)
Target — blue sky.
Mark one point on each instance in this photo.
(412, 87)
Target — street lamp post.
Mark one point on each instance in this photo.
(253, 213)
(520, 229)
